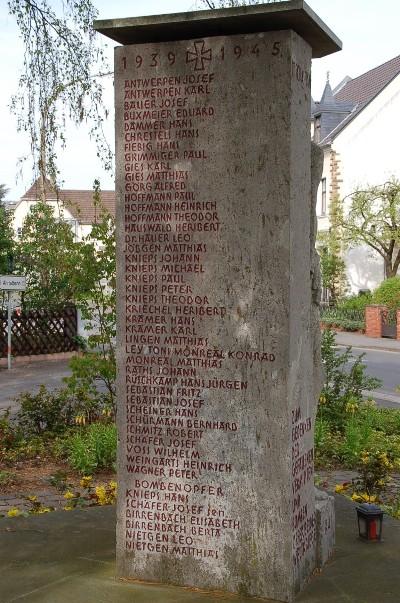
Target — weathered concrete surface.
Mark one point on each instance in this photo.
(295, 15)
(227, 123)
(64, 557)
(325, 527)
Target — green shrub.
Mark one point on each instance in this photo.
(8, 436)
(92, 448)
(89, 371)
(355, 302)
(367, 429)
(341, 394)
(388, 293)
(357, 437)
(44, 411)
(346, 324)
(374, 469)
(386, 420)
(7, 478)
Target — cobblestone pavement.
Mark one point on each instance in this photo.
(19, 501)
(327, 480)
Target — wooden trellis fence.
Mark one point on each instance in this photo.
(40, 332)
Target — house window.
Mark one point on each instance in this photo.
(323, 197)
(317, 129)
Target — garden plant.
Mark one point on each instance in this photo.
(353, 433)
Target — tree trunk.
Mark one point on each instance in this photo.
(390, 270)
(42, 163)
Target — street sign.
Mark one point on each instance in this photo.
(9, 282)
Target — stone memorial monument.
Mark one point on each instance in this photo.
(217, 378)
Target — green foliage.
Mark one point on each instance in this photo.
(343, 384)
(93, 448)
(7, 479)
(7, 432)
(373, 471)
(61, 270)
(59, 481)
(49, 256)
(374, 220)
(6, 243)
(366, 429)
(388, 293)
(3, 192)
(86, 385)
(44, 412)
(97, 303)
(358, 436)
(329, 246)
(348, 314)
(321, 431)
(355, 302)
(347, 324)
(332, 270)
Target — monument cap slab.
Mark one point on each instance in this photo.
(290, 14)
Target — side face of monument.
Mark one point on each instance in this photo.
(214, 345)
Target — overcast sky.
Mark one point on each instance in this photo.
(367, 28)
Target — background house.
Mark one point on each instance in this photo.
(358, 127)
(75, 206)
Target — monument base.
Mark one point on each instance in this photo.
(325, 527)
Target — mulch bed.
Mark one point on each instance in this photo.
(36, 478)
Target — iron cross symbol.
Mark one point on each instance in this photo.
(200, 55)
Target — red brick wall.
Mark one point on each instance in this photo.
(373, 321)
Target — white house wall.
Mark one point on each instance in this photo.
(368, 152)
(323, 220)
(369, 145)
(23, 208)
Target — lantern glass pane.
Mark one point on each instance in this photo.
(372, 528)
(362, 527)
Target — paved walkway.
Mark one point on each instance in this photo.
(28, 377)
(358, 340)
(69, 558)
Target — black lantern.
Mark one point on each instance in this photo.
(370, 518)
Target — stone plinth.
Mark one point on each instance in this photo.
(215, 322)
(324, 527)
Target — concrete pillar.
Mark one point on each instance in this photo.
(216, 328)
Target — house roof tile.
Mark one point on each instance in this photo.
(362, 90)
(366, 86)
(79, 202)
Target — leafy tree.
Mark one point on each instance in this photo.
(58, 82)
(6, 234)
(329, 245)
(49, 256)
(388, 293)
(96, 298)
(373, 219)
(3, 192)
